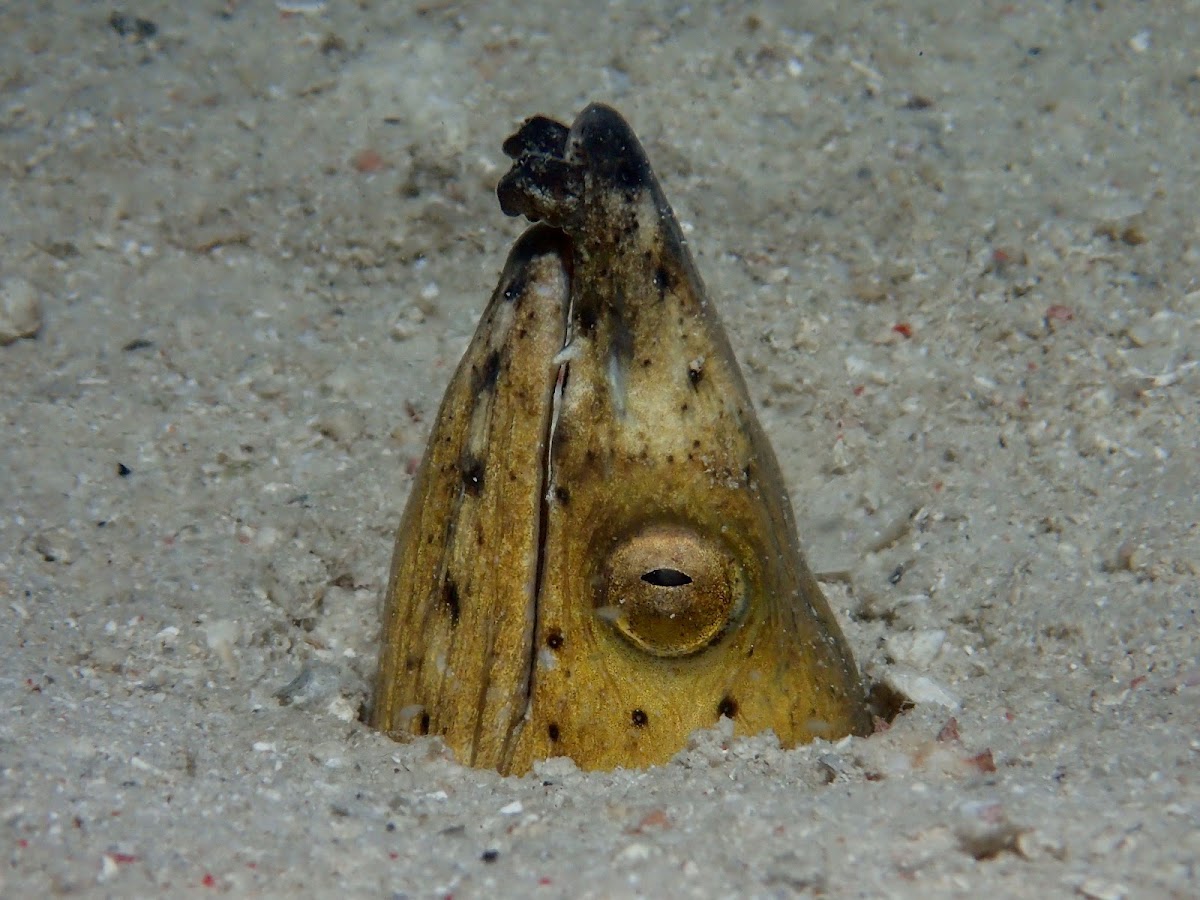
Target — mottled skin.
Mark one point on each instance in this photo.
(640, 576)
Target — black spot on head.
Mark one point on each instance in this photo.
(562, 495)
(450, 599)
(552, 731)
(516, 287)
(564, 434)
(587, 319)
(663, 281)
(485, 378)
(424, 729)
(728, 707)
(554, 640)
(472, 475)
(639, 718)
(490, 856)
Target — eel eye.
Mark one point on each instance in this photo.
(670, 591)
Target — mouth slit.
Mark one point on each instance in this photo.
(561, 363)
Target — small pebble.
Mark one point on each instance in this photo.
(317, 683)
(1100, 889)
(56, 545)
(20, 310)
(407, 324)
(342, 424)
(634, 853)
(220, 637)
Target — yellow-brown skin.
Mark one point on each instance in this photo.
(599, 556)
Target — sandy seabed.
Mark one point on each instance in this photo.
(957, 251)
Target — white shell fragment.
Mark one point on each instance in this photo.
(920, 688)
